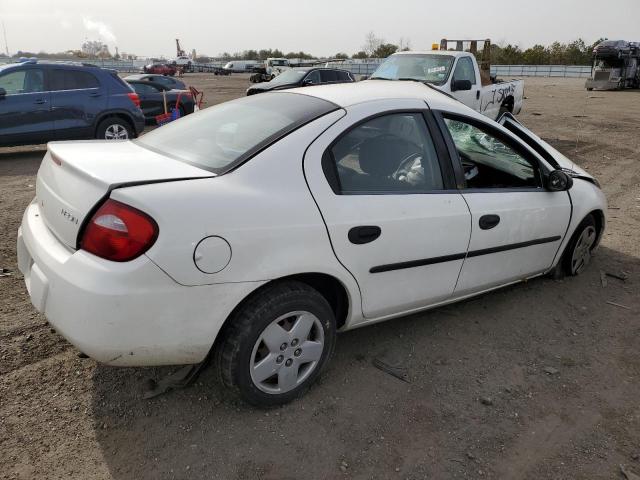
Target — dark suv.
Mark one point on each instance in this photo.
(44, 101)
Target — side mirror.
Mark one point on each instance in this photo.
(3, 92)
(559, 181)
(457, 85)
(307, 82)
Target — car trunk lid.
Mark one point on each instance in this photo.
(74, 177)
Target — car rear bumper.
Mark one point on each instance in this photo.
(126, 314)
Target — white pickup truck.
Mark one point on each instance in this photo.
(456, 73)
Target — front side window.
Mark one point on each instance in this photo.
(23, 81)
(465, 71)
(313, 77)
(392, 153)
(489, 162)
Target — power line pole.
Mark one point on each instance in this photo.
(6, 47)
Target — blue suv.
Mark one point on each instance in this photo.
(44, 101)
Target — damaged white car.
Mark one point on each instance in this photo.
(257, 229)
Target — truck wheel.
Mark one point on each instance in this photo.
(276, 344)
(114, 129)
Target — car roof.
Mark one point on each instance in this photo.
(140, 76)
(347, 94)
(159, 86)
(451, 53)
(52, 63)
(308, 69)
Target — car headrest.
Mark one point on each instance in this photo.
(381, 156)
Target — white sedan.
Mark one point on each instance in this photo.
(253, 231)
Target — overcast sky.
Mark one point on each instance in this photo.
(323, 28)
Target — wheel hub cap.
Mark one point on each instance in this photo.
(582, 251)
(116, 132)
(287, 352)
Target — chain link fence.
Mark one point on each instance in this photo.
(568, 71)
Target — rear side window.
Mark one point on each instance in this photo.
(120, 81)
(344, 76)
(161, 80)
(23, 81)
(72, 80)
(328, 76)
(142, 88)
(389, 154)
(221, 137)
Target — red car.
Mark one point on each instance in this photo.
(160, 69)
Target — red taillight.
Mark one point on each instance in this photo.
(119, 232)
(134, 98)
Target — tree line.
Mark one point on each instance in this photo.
(573, 53)
(577, 52)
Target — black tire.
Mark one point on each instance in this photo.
(236, 354)
(114, 126)
(569, 264)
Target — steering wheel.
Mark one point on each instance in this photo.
(468, 165)
(405, 165)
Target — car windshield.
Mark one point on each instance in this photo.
(220, 137)
(423, 67)
(289, 76)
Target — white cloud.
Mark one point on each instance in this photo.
(102, 29)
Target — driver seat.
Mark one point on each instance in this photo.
(379, 158)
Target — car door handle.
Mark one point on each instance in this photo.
(40, 101)
(487, 222)
(364, 234)
(477, 94)
(95, 94)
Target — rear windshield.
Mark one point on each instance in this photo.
(220, 137)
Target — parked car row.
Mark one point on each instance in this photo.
(45, 101)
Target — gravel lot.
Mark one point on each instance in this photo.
(538, 380)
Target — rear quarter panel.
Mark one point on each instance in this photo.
(263, 209)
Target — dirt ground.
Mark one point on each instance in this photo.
(539, 380)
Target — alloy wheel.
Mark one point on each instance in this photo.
(287, 352)
(116, 132)
(582, 251)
